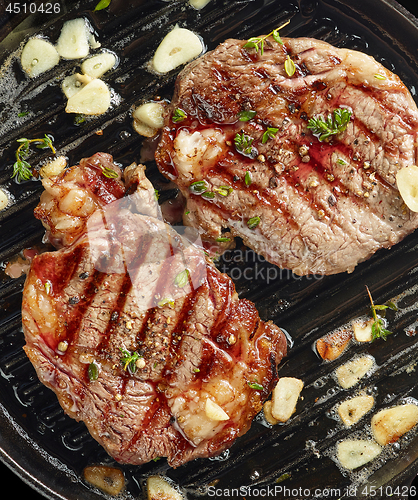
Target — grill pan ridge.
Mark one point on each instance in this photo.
(47, 449)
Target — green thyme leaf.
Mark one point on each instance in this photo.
(93, 371)
(182, 278)
(244, 144)
(253, 222)
(378, 327)
(247, 178)
(129, 360)
(223, 190)
(269, 134)
(109, 172)
(22, 170)
(289, 66)
(223, 240)
(198, 187)
(178, 116)
(166, 302)
(103, 4)
(378, 76)
(208, 194)
(257, 43)
(333, 124)
(22, 113)
(245, 116)
(256, 386)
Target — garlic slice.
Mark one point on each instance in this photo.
(285, 397)
(407, 182)
(159, 489)
(73, 42)
(178, 47)
(38, 56)
(214, 411)
(74, 83)
(93, 99)
(354, 453)
(150, 113)
(390, 424)
(99, 64)
(198, 4)
(353, 409)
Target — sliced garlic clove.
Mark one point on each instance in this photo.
(198, 4)
(407, 182)
(160, 489)
(73, 42)
(108, 479)
(93, 99)
(354, 453)
(178, 47)
(54, 167)
(4, 199)
(150, 113)
(74, 83)
(352, 372)
(214, 411)
(363, 331)
(390, 424)
(284, 398)
(99, 64)
(38, 56)
(142, 129)
(353, 409)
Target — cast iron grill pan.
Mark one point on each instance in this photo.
(48, 449)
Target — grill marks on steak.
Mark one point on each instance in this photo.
(323, 206)
(116, 287)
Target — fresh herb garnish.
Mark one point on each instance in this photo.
(178, 116)
(48, 287)
(257, 43)
(253, 222)
(109, 172)
(245, 116)
(182, 278)
(256, 386)
(198, 187)
(22, 113)
(103, 4)
(166, 302)
(378, 76)
(22, 170)
(244, 144)
(378, 326)
(247, 178)
(289, 66)
(223, 240)
(93, 371)
(332, 125)
(269, 134)
(223, 190)
(208, 195)
(129, 360)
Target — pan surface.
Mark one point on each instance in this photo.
(48, 450)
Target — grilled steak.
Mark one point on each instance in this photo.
(135, 331)
(240, 143)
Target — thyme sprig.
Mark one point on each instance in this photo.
(22, 170)
(378, 326)
(257, 43)
(244, 144)
(332, 125)
(129, 360)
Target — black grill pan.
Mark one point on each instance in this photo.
(48, 450)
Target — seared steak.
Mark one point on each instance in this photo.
(135, 330)
(305, 201)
